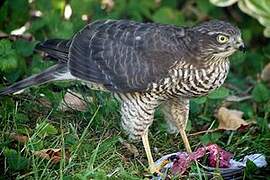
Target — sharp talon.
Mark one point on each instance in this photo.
(155, 170)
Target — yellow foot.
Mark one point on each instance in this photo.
(154, 169)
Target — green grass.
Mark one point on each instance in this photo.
(94, 138)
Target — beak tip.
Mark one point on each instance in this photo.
(242, 48)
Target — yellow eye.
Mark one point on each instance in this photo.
(222, 38)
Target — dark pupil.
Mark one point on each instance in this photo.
(222, 38)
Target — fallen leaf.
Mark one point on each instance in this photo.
(265, 75)
(74, 101)
(130, 147)
(230, 119)
(55, 155)
(19, 137)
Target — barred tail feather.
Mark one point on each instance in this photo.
(54, 73)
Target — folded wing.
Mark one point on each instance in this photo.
(124, 56)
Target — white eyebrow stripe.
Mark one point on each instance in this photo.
(218, 32)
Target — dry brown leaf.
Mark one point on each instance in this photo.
(130, 147)
(19, 138)
(230, 119)
(265, 75)
(55, 155)
(73, 101)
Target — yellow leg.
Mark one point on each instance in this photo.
(179, 111)
(152, 167)
(185, 139)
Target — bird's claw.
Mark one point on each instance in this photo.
(155, 170)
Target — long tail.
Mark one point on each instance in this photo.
(56, 72)
(57, 49)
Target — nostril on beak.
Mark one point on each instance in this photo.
(242, 48)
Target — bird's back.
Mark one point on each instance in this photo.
(124, 56)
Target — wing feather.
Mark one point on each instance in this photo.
(123, 55)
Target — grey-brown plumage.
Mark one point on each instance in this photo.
(144, 65)
(124, 56)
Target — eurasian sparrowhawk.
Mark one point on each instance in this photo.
(144, 65)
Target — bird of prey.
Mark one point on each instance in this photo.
(144, 65)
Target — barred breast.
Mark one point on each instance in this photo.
(184, 80)
(189, 81)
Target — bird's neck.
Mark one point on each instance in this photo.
(213, 60)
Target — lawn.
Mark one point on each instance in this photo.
(44, 137)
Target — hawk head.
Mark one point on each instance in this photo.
(218, 38)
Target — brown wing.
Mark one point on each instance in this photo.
(124, 56)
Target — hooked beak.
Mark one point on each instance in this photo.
(241, 46)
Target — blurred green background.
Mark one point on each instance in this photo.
(99, 150)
